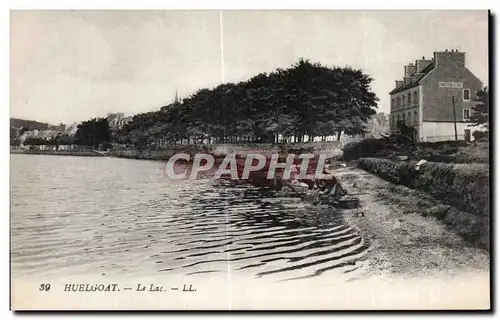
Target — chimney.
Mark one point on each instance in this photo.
(410, 69)
(447, 58)
(422, 64)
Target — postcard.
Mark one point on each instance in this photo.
(249, 160)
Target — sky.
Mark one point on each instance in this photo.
(70, 66)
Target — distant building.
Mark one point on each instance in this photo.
(117, 120)
(125, 120)
(176, 98)
(176, 101)
(423, 99)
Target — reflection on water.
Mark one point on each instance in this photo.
(116, 216)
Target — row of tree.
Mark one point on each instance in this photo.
(305, 100)
(94, 132)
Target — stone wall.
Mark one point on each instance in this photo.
(332, 148)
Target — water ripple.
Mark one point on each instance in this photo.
(116, 216)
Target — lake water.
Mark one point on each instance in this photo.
(110, 216)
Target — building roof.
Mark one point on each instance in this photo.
(416, 81)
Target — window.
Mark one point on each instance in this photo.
(409, 99)
(415, 117)
(399, 102)
(466, 114)
(466, 94)
(392, 103)
(409, 117)
(415, 98)
(393, 121)
(403, 99)
(404, 118)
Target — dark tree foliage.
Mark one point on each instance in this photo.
(65, 139)
(36, 141)
(14, 137)
(405, 133)
(14, 141)
(306, 99)
(481, 135)
(93, 132)
(481, 110)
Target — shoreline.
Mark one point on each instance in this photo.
(402, 240)
(220, 151)
(60, 153)
(216, 150)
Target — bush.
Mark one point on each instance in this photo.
(443, 144)
(364, 148)
(481, 135)
(465, 186)
(386, 169)
(441, 151)
(405, 134)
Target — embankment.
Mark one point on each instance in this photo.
(403, 238)
(330, 148)
(464, 188)
(150, 154)
(78, 153)
(443, 151)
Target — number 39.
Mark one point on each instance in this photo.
(44, 287)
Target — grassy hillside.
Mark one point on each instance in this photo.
(29, 124)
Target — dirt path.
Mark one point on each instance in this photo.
(403, 241)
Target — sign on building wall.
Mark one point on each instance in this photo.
(458, 85)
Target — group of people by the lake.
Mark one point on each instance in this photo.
(327, 190)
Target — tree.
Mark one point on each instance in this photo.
(14, 137)
(65, 139)
(481, 110)
(14, 141)
(34, 141)
(405, 133)
(305, 99)
(93, 132)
